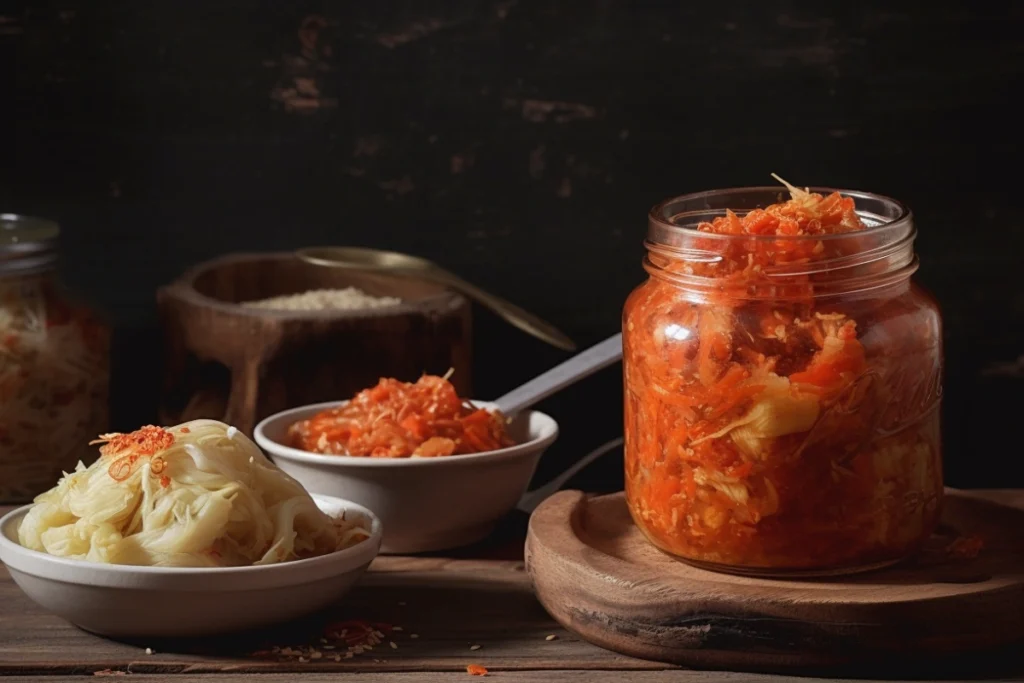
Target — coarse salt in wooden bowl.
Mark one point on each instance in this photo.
(239, 364)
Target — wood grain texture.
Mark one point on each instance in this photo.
(568, 676)
(450, 604)
(240, 365)
(597, 575)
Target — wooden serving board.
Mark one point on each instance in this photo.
(597, 575)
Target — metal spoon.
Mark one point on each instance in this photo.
(557, 378)
(532, 499)
(562, 375)
(395, 263)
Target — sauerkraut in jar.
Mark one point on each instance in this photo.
(54, 365)
(782, 383)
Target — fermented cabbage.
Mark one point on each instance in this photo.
(197, 495)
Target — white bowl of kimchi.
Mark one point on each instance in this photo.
(426, 504)
(200, 535)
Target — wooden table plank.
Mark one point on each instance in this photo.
(679, 676)
(450, 604)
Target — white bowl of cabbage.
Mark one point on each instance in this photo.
(183, 532)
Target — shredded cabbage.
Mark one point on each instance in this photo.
(54, 371)
(777, 411)
(203, 496)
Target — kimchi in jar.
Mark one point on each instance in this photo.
(782, 383)
(54, 364)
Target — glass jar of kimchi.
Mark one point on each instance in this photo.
(782, 383)
(54, 365)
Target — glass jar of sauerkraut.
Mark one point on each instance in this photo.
(54, 364)
(782, 383)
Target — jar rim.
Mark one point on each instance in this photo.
(663, 220)
(883, 251)
(27, 244)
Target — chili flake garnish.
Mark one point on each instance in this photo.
(128, 449)
(476, 670)
(399, 419)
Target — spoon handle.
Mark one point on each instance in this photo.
(571, 371)
(524, 320)
(404, 265)
(530, 500)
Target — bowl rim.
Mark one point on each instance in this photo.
(75, 571)
(547, 432)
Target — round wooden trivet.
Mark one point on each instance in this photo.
(595, 573)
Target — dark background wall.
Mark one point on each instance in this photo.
(520, 143)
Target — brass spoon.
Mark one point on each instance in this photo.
(375, 260)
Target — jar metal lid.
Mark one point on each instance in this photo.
(27, 244)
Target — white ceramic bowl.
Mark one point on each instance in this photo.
(124, 601)
(425, 504)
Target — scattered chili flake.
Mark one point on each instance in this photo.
(186, 430)
(356, 631)
(476, 670)
(354, 637)
(965, 547)
(165, 481)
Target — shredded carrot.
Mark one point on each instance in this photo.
(399, 419)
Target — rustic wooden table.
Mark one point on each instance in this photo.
(447, 613)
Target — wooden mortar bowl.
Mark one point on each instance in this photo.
(237, 364)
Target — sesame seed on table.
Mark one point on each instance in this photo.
(468, 613)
